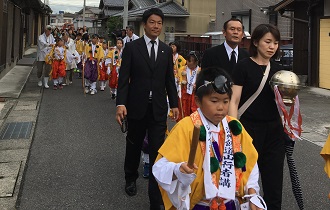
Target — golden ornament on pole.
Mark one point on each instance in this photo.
(288, 84)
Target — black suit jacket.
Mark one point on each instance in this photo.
(217, 57)
(137, 78)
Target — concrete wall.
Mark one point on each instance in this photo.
(201, 14)
(225, 9)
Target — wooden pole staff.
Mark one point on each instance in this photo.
(83, 77)
(182, 114)
(193, 146)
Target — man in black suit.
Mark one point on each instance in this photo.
(228, 53)
(145, 79)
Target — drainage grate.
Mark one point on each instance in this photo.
(16, 130)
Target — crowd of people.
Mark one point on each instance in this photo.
(61, 53)
(150, 81)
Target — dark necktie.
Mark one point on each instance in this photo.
(130, 40)
(232, 60)
(152, 53)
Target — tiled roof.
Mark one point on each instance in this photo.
(113, 3)
(95, 10)
(110, 12)
(174, 9)
(139, 4)
(170, 9)
(38, 5)
(282, 4)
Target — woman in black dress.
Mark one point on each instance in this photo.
(261, 119)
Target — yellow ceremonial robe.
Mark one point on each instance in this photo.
(179, 66)
(325, 153)
(176, 149)
(80, 46)
(98, 55)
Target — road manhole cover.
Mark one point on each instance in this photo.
(16, 130)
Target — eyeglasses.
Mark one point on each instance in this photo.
(220, 84)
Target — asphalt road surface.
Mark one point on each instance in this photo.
(77, 155)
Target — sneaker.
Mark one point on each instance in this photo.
(86, 89)
(64, 84)
(60, 86)
(40, 83)
(70, 82)
(102, 88)
(146, 170)
(46, 86)
(93, 92)
(55, 87)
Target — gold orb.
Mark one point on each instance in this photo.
(288, 84)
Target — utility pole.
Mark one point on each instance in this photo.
(125, 15)
(84, 13)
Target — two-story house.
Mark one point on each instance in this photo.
(181, 16)
(311, 34)
(92, 22)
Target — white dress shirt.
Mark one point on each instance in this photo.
(130, 39)
(149, 45)
(230, 50)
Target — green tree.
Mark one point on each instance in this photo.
(114, 24)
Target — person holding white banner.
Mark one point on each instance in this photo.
(254, 102)
(187, 82)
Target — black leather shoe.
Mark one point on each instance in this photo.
(130, 188)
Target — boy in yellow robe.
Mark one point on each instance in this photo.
(225, 173)
(93, 55)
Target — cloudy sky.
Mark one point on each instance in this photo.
(70, 5)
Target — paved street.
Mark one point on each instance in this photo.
(76, 159)
(77, 152)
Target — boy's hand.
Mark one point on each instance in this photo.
(186, 170)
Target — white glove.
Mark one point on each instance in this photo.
(257, 200)
(108, 71)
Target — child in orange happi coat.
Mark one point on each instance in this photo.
(57, 58)
(114, 66)
(103, 77)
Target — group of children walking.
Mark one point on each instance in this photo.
(93, 59)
